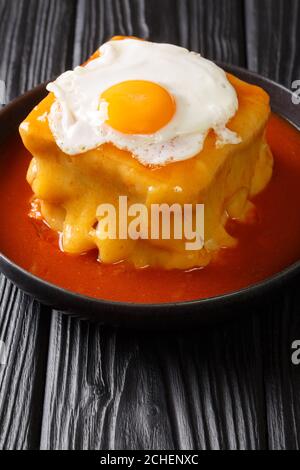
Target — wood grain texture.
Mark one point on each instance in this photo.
(36, 41)
(24, 327)
(212, 27)
(273, 38)
(108, 389)
(207, 26)
(97, 21)
(280, 327)
(74, 385)
(35, 38)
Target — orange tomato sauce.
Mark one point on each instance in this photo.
(264, 247)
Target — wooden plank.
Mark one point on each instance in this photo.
(111, 389)
(206, 26)
(35, 38)
(273, 35)
(24, 328)
(281, 327)
(273, 38)
(36, 41)
(91, 371)
(119, 390)
(98, 21)
(213, 28)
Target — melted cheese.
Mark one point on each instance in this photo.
(70, 188)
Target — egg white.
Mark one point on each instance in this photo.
(204, 98)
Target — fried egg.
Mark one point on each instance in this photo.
(157, 101)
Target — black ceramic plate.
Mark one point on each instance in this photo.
(149, 315)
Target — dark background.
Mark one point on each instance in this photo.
(70, 384)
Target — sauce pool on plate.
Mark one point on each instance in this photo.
(268, 244)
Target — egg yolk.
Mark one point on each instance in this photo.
(138, 107)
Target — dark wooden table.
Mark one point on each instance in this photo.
(69, 384)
